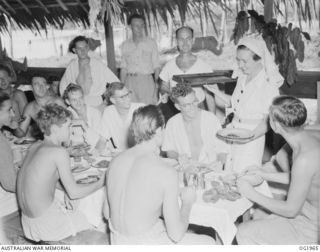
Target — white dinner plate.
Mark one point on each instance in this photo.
(237, 134)
(102, 164)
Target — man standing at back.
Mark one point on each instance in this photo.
(142, 187)
(140, 59)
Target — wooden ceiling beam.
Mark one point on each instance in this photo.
(9, 6)
(62, 5)
(43, 6)
(4, 10)
(24, 6)
(82, 6)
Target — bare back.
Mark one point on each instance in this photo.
(37, 179)
(136, 182)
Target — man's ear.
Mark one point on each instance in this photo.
(67, 102)
(112, 100)
(177, 106)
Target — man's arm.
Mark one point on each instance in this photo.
(21, 100)
(123, 75)
(300, 184)
(24, 125)
(8, 173)
(74, 190)
(176, 219)
(261, 129)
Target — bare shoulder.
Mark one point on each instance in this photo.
(308, 162)
(18, 94)
(30, 108)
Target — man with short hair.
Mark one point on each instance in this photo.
(117, 116)
(140, 59)
(42, 97)
(47, 164)
(84, 116)
(185, 63)
(18, 98)
(192, 132)
(142, 187)
(88, 72)
(294, 220)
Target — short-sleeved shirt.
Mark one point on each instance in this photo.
(171, 68)
(142, 57)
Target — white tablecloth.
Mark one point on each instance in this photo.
(222, 215)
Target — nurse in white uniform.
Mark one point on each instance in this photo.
(258, 83)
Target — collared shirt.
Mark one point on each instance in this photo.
(112, 125)
(251, 101)
(176, 138)
(100, 73)
(142, 57)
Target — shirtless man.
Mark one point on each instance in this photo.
(192, 133)
(46, 164)
(142, 187)
(18, 98)
(294, 220)
(42, 98)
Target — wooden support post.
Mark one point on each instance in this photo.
(110, 44)
(268, 10)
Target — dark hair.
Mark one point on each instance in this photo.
(72, 44)
(255, 56)
(111, 89)
(184, 27)
(145, 121)
(180, 90)
(52, 114)
(137, 16)
(39, 76)
(71, 88)
(289, 111)
(3, 97)
(6, 69)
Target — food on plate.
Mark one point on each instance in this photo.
(102, 164)
(25, 141)
(79, 168)
(224, 190)
(253, 179)
(232, 136)
(232, 195)
(211, 196)
(88, 180)
(80, 150)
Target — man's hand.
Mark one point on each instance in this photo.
(163, 98)
(245, 188)
(188, 195)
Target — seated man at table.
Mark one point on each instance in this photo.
(18, 98)
(294, 220)
(84, 116)
(117, 116)
(141, 188)
(192, 132)
(42, 97)
(46, 165)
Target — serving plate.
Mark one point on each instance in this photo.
(235, 134)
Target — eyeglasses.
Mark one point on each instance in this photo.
(190, 104)
(127, 95)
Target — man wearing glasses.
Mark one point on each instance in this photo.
(117, 116)
(192, 132)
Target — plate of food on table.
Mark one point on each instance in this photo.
(25, 141)
(101, 164)
(79, 168)
(235, 134)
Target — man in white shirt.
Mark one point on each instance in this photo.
(84, 115)
(117, 117)
(192, 132)
(88, 72)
